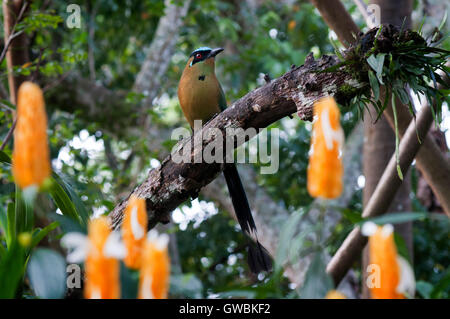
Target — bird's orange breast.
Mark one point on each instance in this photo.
(199, 95)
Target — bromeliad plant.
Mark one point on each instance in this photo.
(398, 60)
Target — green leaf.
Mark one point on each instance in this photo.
(76, 200)
(68, 224)
(287, 233)
(352, 215)
(129, 282)
(317, 281)
(11, 270)
(63, 201)
(424, 289)
(444, 19)
(376, 63)
(3, 252)
(397, 138)
(396, 218)
(47, 273)
(4, 158)
(41, 233)
(24, 215)
(374, 85)
(11, 224)
(442, 285)
(3, 221)
(7, 104)
(186, 286)
(402, 249)
(29, 194)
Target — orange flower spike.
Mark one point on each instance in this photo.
(325, 170)
(134, 229)
(334, 294)
(31, 156)
(383, 254)
(392, 274)
(102, 272)
(155, 267)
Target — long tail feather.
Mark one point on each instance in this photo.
(258, 257)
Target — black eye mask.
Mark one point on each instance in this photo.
(199, 56)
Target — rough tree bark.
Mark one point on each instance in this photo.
(170, 184)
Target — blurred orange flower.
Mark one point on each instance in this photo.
(334, 294)
(102, 270)
(392, 277)
(291, 25)
(31, 156)
(155, 267)
(325, 168)
(134, 229)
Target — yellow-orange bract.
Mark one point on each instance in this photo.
(102, 273)
(334, 294)
(325, 169)
(134, 229)
(383, 254)
(155, 268)
(31, 157)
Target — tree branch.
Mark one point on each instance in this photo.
(172, 183)
(338, 19)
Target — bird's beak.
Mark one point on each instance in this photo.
(214, 52)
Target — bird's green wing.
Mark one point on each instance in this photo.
(222, 99)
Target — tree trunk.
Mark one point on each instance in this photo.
(380, 143)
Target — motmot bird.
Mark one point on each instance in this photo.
(201, 97)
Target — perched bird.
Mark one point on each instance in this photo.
(201, 97)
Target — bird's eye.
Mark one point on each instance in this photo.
(198, 56)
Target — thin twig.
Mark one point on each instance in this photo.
(38, 64)
(56, 82)
(8, 135)
(13, 35)
(8, 43)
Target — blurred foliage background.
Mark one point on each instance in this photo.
(260, 37)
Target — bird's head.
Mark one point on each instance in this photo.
(203, 56)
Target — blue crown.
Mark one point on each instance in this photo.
(200, 49)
